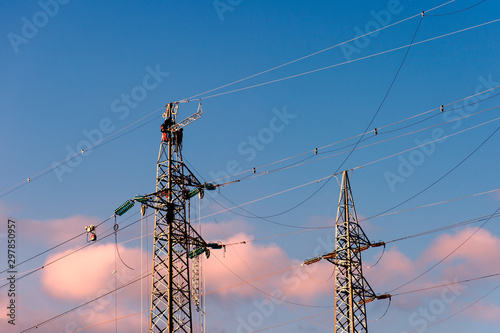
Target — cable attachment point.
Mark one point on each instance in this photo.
(254, 170)
(91, 235)
(423, 13)
(375, 132)
(315, 151)
(377, 297)
(442, 108)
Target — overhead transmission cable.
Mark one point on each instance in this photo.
(447, 173)
(135, 280)
(108, 321)
(266, 293)
(55, 246)
(460, 311)
(351, 61)
(458, 11)
(230, 209)
(386, 94)
(86, 303)
(71, 157)
(399, 294)
(424, 233)
(313, 54)
(249, 268)
(435, 323)
(282, 271)
(449, 254)
(319, 149)
(70, 253)
(303, 162)
(95, 145)
(447, 227)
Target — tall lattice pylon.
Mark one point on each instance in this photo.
(174, 238)
(352, 291)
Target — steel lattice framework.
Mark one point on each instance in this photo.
(351, 288)
(352, 291)
(174, 237)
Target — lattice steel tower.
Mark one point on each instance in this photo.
(351, 288)
(174, 238)
(352, 291)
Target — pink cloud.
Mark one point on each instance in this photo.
(252, 260)
(484, 311)
(53, 231)
(476, 256)
(393, 267)
(89, 271)
(214, 231)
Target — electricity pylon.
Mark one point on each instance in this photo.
(176, 242)
(352, 291)
(177, 279)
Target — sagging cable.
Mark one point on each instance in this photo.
(115, 228)
(381, 255)
(333, 273)
(386, 310)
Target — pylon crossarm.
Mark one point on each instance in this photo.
(373, 298)
(331, 256)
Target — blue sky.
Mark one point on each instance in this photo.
(74, 73)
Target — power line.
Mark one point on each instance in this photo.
(253, 273)
(266, 293)
(447, 227)
(302, 162)
(86, 303)
(447, 284)
(314, 53)
(460, 311)
(459, 11)
(319, 150)
(424, 233)
(64, 161)
(54, 247)
(281, 271)
(107, 322)
(351, 61)
(95, 145)
(361, 166)
(446, 174)
(385, 96)
(28, 273)
(449, 254)
(293, 321)
(75, 155)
